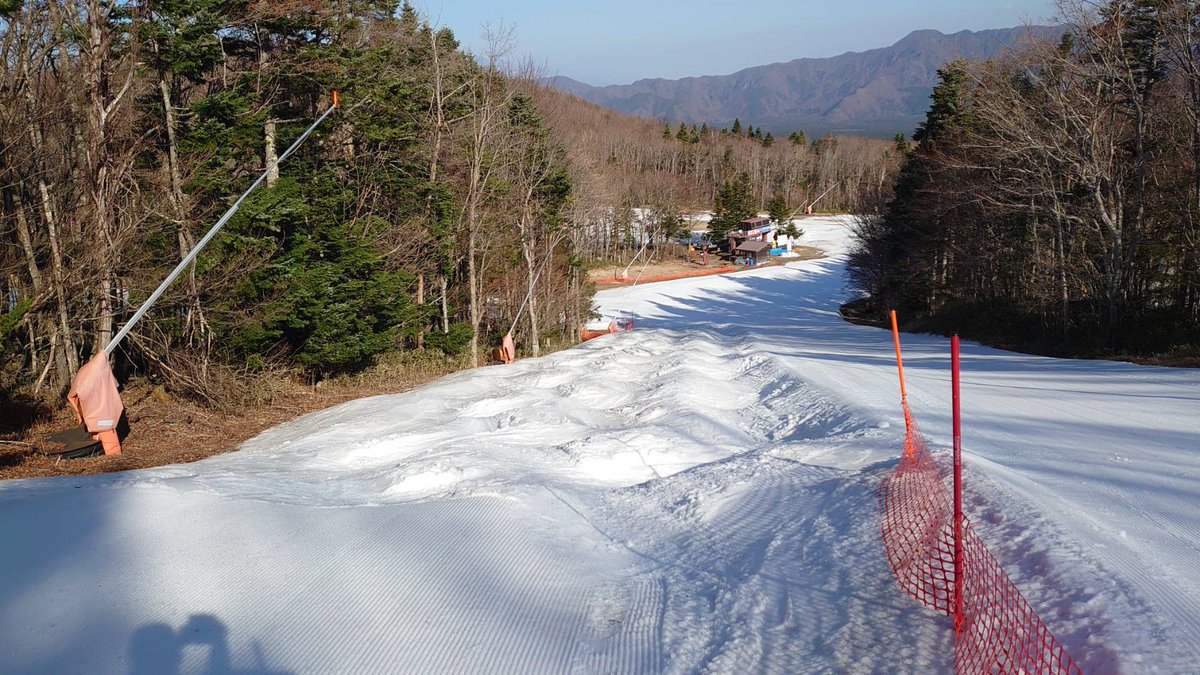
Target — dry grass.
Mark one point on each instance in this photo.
(680, 266)
(169, 430)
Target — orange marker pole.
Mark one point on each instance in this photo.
(899, 358)
(336, 102)
(910, 450)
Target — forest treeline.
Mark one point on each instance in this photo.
(1052, 198)
(450, 194)
(625, 163)
(417, 216)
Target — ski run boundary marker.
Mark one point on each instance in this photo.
(939, 559)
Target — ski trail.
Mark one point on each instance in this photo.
(696, 496)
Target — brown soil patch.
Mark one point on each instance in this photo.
(169, 430)
(609, 274)
(657, 269)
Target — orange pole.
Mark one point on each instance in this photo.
(336, 102)
(899, 358)
(910, 450)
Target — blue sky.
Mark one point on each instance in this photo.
(619, 41)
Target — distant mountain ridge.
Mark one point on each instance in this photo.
(879, 92)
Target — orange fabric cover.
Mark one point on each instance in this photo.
(94, 398)
(509, 348)
(109, 441)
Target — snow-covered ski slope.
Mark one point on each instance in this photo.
(695, 496)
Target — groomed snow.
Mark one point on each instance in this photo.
(695, 496)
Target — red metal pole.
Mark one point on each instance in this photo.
(958, 513)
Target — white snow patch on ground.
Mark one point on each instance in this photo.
(695, 496)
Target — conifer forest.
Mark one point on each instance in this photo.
(448, 190)
(1051, 200)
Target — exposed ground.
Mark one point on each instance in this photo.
(677, 266)
(168, 430)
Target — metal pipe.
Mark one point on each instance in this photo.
(191, 256)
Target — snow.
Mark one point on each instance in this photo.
(695, 496)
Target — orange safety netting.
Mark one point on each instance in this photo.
(996, 630)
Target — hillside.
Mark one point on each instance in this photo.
(622, 159)
(879, 92)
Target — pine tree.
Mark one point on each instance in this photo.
(734, 203)
(951, 104)
(666, 131)
(798, 138)
(894, 258)
(768, 140)
(682, 134)
(778, 209)
(737, 127)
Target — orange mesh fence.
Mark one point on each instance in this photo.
(996, 630)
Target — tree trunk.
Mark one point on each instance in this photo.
(102, 105)
(531, 278)
(270, 152)
(17, 204)
(1063, 289)
(70, 353)
(421, 302)
(473, 287)
(445, 303)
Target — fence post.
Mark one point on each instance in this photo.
(899, 360)
(958, 514)
(909, 450)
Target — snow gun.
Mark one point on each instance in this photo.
(93, 395)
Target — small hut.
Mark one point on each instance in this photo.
(758, 252)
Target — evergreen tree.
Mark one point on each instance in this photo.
(768, 140)
(666, 131)
(798, 138)
(734, 203)
(897, 250)
(950, 108)
(704, 130)
(778, 209)
(682, 134)
(737, 127)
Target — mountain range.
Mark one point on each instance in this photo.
(880, 92)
